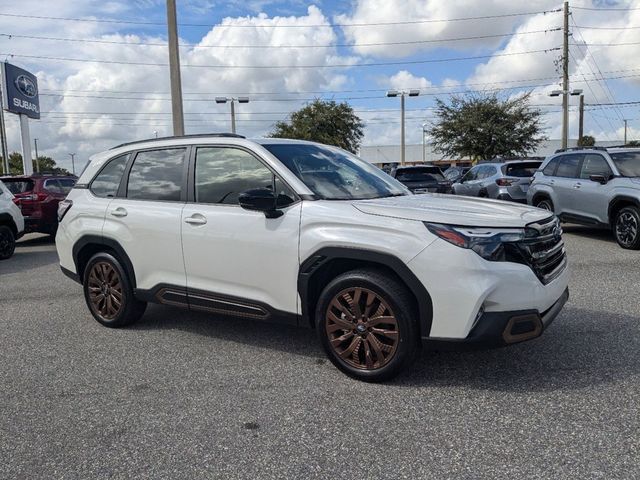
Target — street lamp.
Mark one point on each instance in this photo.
(402, 94)
(73, 163)
(425, 127)
(565, 110)
(232, 100)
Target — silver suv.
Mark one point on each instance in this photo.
(593, 186)
(502, 181)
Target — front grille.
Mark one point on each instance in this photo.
(543, 250)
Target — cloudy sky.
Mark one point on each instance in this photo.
(103, 75)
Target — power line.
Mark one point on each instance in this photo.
(608, 9)
(345, 65)
(594, 27)
(351, 45)
(407, 22)
(604, 44)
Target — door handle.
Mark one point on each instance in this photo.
(119, 212)
(196, 219)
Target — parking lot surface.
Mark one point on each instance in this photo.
(188, 395)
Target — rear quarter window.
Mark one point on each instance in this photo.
(18, 185)
(550, 168)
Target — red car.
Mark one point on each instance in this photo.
(38, 196)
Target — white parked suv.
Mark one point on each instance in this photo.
(307, 234)
(11, 223)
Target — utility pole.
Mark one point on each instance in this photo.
(625, 131)
(565, 78)
(581, 124)
(73, 163)
(35, 142)
(174, 70)
(402, 140)
(233, 116)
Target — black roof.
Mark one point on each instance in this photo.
(173, 137)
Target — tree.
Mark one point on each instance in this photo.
(45, 165)
(483, 127)
(633, 143)
(586, 141)
(325, 122)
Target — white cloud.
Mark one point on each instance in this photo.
(406, 80)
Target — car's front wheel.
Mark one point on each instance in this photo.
(109, 293)
(367, 325)
(545, 204)
(7, 242)
(627, 228)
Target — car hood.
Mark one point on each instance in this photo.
(453, 210)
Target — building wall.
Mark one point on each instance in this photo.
(381, 154)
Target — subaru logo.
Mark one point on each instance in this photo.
(26, 86)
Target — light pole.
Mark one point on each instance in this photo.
(35, 142)
(73, 163)
(401, 94)
(155, 133)
(424, 142)
(232, 100)
(565, 108)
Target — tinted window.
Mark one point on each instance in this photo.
(628, 163)
(594, 164)
(222, 174)
(157, 175)
(471, 174)
(18, 185)
(521, 170)
(107, 182)
(66, 184)
(428, 174)
(334, 174)
(568, 166)
(487, 171)
(52, 186)
(550, 168)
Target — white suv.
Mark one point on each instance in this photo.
(11, 223)
(307, 234)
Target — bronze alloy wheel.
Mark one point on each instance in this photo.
(362, 329)
(105, 290)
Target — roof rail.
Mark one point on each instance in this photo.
(196, 135)
(571, 149)
(623, 146)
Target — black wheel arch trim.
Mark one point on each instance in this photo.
(111, 244)
(620, 199)
(313, 262)
(6, 219)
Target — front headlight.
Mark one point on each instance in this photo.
(487, 242)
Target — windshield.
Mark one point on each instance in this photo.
(419, 175)
(17, 186)
(333, 174)
(628, 163)
(524, 169)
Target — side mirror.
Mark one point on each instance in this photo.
(602, 179)
(260, 200)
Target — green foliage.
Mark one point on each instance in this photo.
(45, 165)
(483, 127)
(586, 141)
(325, 122)
(633, 143)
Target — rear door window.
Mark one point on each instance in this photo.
(521, 170)
(550, 169)
(157, 175)
(568, 166)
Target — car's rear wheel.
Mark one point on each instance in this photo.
(627, 228)
(7, 242)
(366, 324)
(545, 204)
(109, 293)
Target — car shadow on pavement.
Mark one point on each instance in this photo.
(594, 233)
(25, 260)
(579, 350)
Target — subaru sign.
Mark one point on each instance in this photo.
(20, 91)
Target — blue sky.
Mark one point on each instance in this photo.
(89, 106)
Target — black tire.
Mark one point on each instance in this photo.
(626, 228)
(483, 194)
(545, 204)
(7, 242)
(390, 300)
(104, 276)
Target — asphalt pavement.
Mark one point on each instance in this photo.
(188, 395)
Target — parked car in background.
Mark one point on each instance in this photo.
(422, 179)
(593, 186)
(502, 181)
(38, 197)
(455, 173)
(11, 223)
(290, 231)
